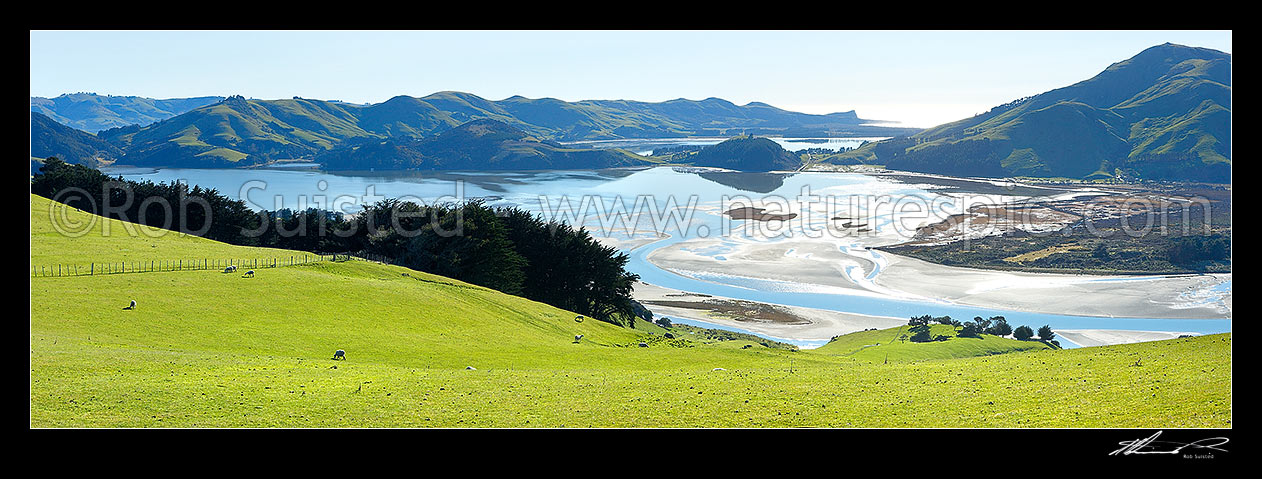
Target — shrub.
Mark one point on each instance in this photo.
(1023, 333)
(1046, 334)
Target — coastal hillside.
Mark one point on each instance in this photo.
(49, 138)
(477, 145)
(93, 113)
(1162, 114)
(425, 350)
(746, 153)
(236, 132)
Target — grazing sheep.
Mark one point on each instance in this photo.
(339, 354)
(578, 337)
(132, 306)
(230, 269)
(470, 368)
(248, 274)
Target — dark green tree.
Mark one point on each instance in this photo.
(1023, 333)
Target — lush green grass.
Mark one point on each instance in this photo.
(70, 237)
(204, 348)
(892, 345)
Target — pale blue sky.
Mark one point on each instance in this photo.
(922, 78)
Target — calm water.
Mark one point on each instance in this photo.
(654, 189)
(646, 146)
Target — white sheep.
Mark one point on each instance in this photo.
(230, 269)
(248, 274)
(132, 306)
(578, 337)
(339, 354)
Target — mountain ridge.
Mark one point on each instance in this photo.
(1162, 114)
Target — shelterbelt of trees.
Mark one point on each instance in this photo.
(507, 249)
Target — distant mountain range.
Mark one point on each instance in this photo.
(235, 131)
(92, 113)
(483, 144)
(1163, 114)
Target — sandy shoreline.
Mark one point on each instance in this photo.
(1104, 337)
(794, 323)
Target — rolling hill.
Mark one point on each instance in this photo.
(484, 144)
(1163, 114)
(49, 138)
(746, 153)
(93, 113)
(235, 132)
(428, 351)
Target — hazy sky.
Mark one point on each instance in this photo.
(921, 78)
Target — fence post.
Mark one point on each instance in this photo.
(92, 271)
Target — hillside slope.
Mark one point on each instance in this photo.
(49, 138)
(212, 349)
(477, 145)
(1163, 114)
(235, 132)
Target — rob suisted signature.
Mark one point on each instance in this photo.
(1151, 445)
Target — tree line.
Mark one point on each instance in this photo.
(503, 248)
(995, 326)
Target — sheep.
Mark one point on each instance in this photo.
(132, 306)
(470, 368)
(248, 274)
(339, 354)
(230, 269)
(643, 344)
(578, 337)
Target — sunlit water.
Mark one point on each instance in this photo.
(594, 199)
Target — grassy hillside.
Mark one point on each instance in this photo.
(746, 153)
(1163, 114)
(483, 144)
(49, 138)
(204, 348)
(890, 345)
(235, 132)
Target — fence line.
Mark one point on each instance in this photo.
(182, 264)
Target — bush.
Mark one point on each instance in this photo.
(1046, 334)
(1023, 333)
(998, 326)
(921, 335)
(969, 330)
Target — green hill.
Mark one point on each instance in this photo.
(238, 132)
(746, 153)
(49, 138)
(891, 344)
(477, 145)
(205, 348)
(93, 113)
(1163, 114)
(234, 131)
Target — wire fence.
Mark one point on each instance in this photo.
(156, 266)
